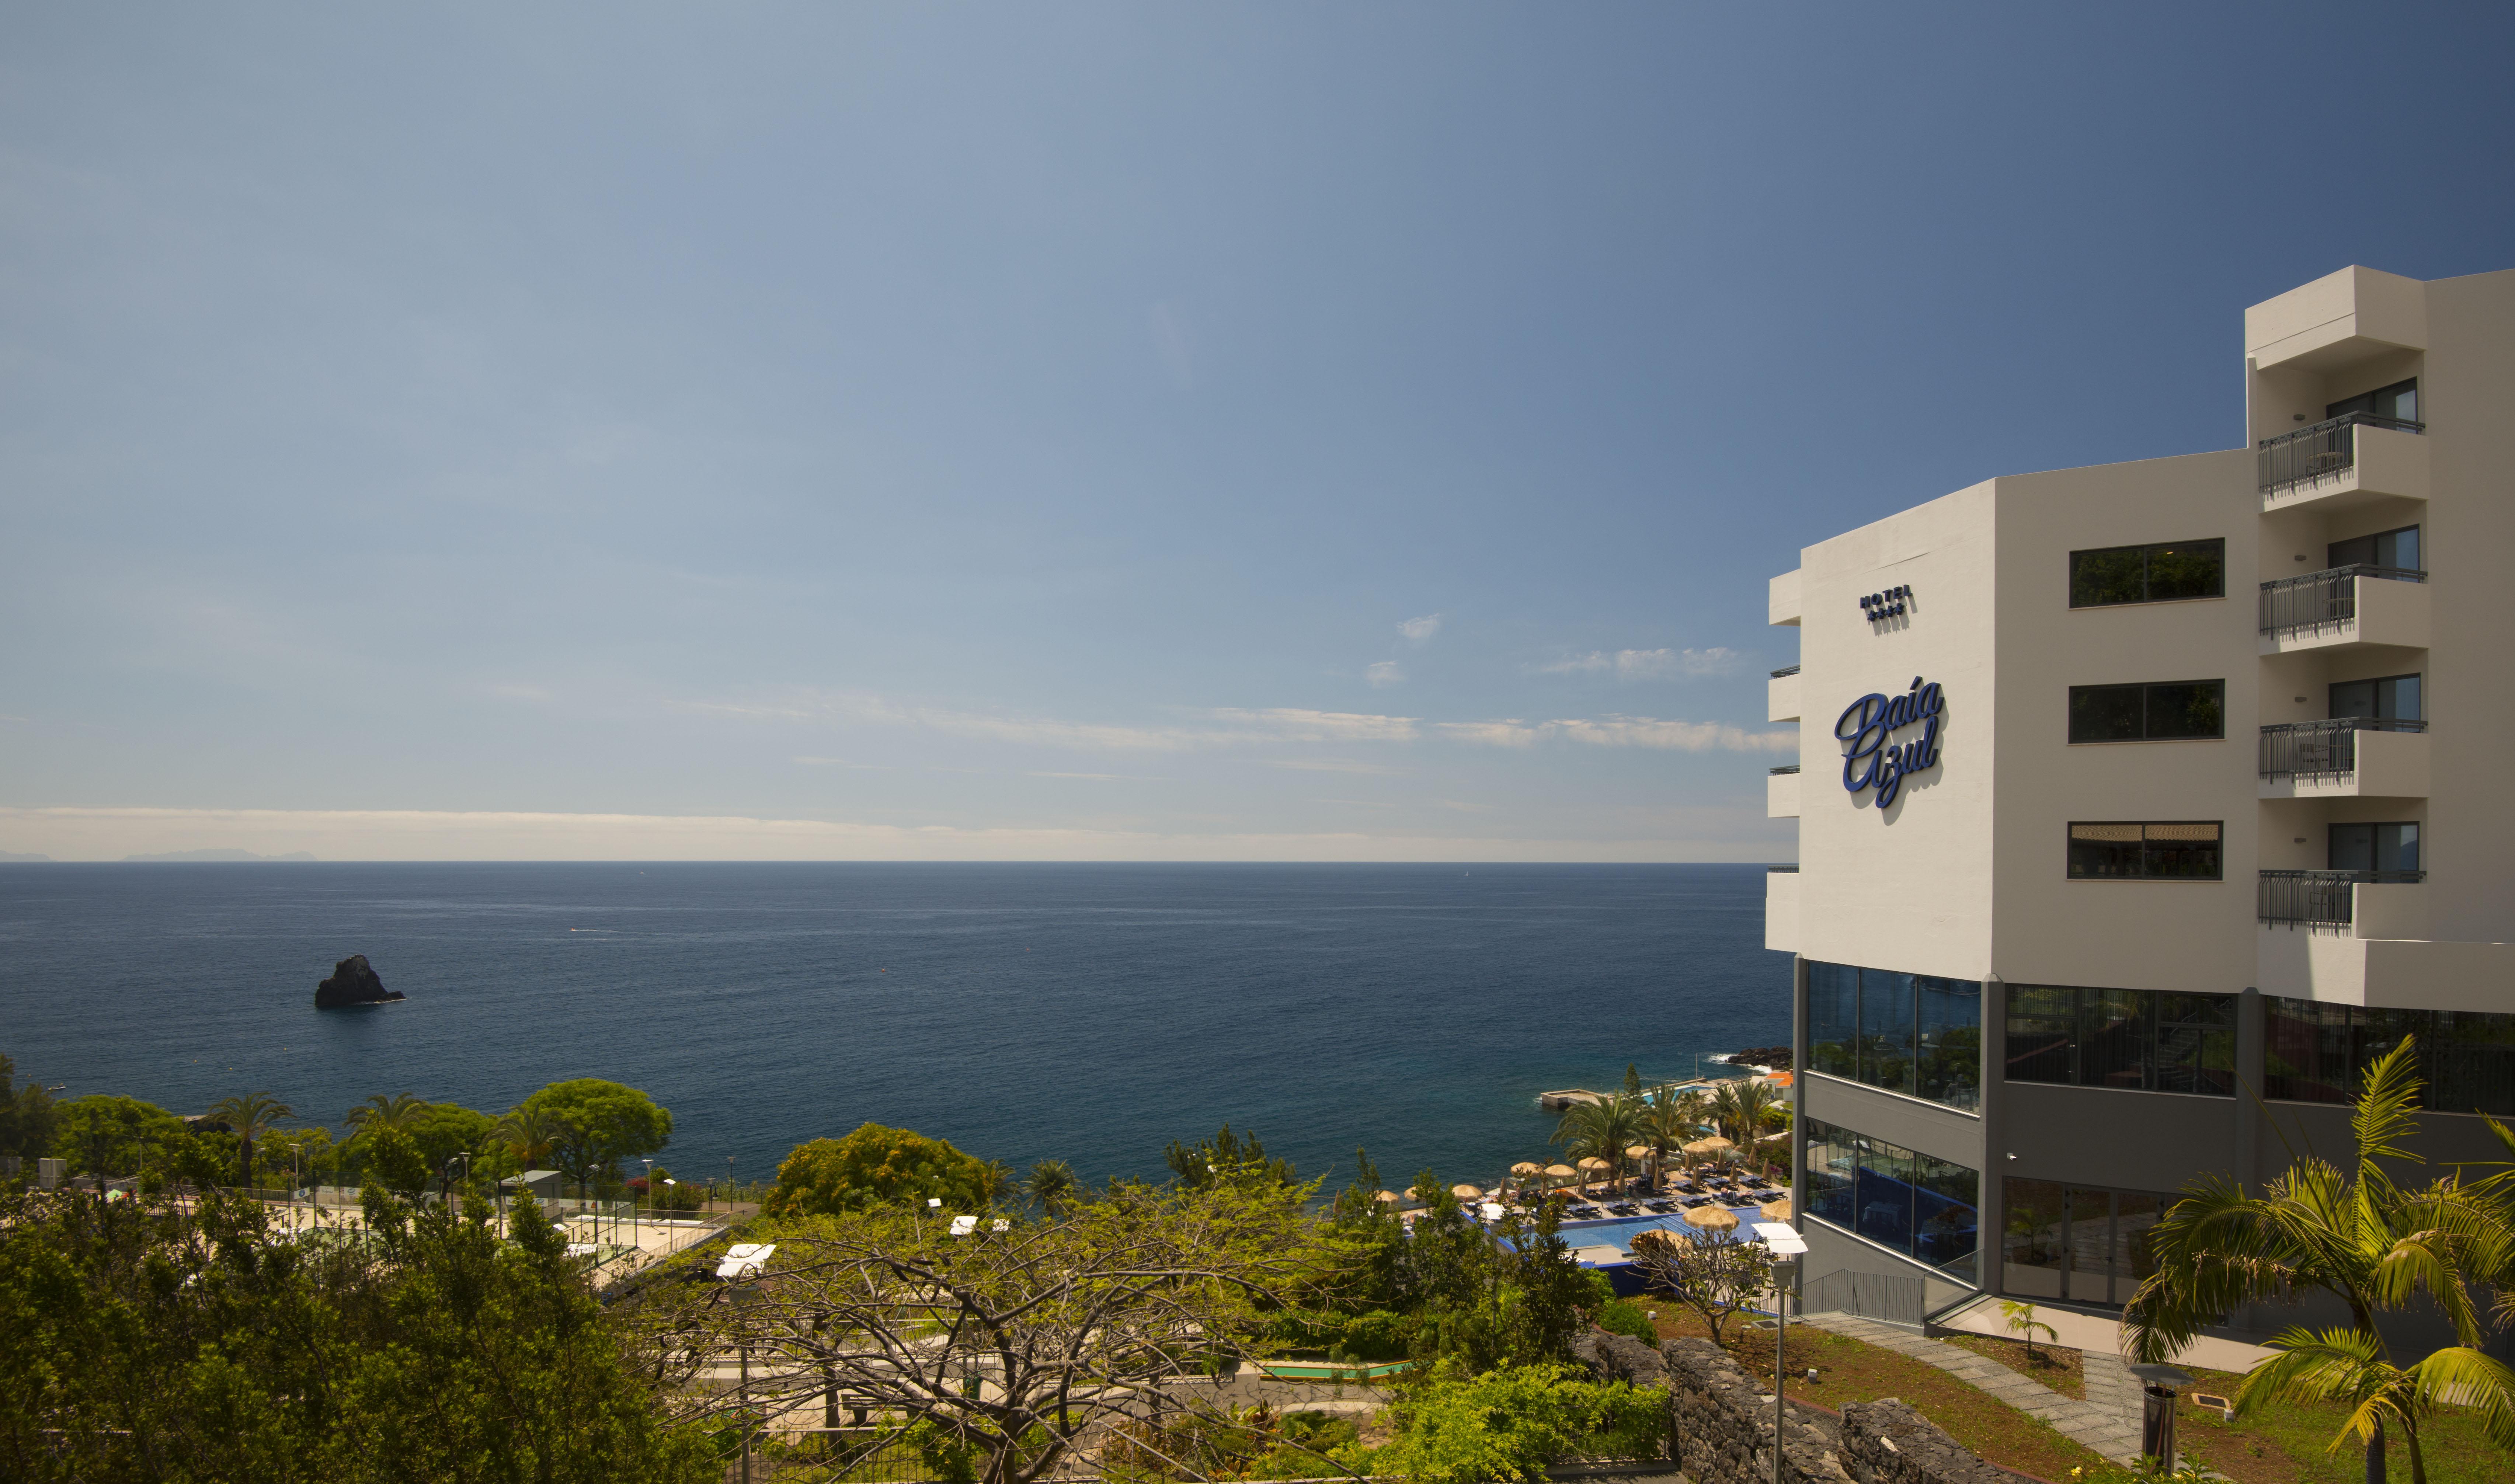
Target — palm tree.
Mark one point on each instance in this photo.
(2363, 1238)
(529, 1134)
(1670, 1120)
(1601, 1129)
(1746, 1110)
(378, 1113)
(1050, 1186)
(251, 1116)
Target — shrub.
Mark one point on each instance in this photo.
(876, 1166)
(1510, 1424)
(1622, 1316)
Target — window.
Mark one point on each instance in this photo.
(2393, 698)
(2315, 1052)
(1915, 1034)
(1926, 1208)
(2158, 711)
(2139, 1040)
(2078, 1243)
(2382, 847)
(2178, 849)
(2162, 573)
(2399, 401)
(2399, 550)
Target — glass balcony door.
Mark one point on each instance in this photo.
(2393, 847)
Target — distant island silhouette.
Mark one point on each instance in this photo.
(217, 854)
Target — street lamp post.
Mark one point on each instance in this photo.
(1787, 1247)
(640, 1230)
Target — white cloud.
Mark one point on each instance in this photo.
(1624, 731)
(871, 767)
(1384, 674)
(1420, 631)
(1293, 724)
(1333, 765)
(1647, 664)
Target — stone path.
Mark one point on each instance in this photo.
(2107, 1421)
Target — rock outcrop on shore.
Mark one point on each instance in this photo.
(352, 982)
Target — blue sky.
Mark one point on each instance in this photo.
(1277, 432)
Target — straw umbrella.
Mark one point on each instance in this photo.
(1641, 1154)
(1526, 1171)
(1389, 1198)
(1774, 1210)
(1591, 1167)
(1713, 1219)
(1560, 1173)
(1466, 1192)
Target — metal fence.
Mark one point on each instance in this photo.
(2319, 600)
(2322, 750)
(1894, 1298)
(2319, 900)
(2325, 451)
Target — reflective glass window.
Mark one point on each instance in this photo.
(2193, 1049)
(1831, 1160)
(1948, 1042)
(1883, 1196)
(2043, 1033)
(2089, 1272)
(1946, 1214)
(1833, 1019)
(2113, 1038)
(2184, 709)
(1886, 1029)
(2305, 1050)
(2034, 1227)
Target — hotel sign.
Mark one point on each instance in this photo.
(1871, 757)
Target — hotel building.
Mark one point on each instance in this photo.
(2143, 806)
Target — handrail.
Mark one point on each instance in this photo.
(2321, 600)
(2325, 450)
(1790, 870)
(2326, 750)
(1786, 768)
(1786, 671)
(2319, 900)
(2351, 724)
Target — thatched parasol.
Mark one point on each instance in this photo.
(1466, 1192)
(1527, 1167)
(1388, 1197)
(1562, 1172)
(1592, 1161)
(1651, 1238)
(1708, 1146)
(1637, 1151)
(1774, 1210)
(1712, 1218)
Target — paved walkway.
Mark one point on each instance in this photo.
(2108, 1421)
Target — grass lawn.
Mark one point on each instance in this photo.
(2056, 1368)
(2286, 1443)
(1848, 1371)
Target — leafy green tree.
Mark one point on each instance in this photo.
(447, 1130)
(599, 1124)
(307, 1155)
(1512, 1423)
(107, 1135)
(1226, 1158)
(1490, 1297)
(26, 1114)
(876, 1166)
(392, 1159)
(249, 1117)
(2362, 1238)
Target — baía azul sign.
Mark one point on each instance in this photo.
(1872, 757)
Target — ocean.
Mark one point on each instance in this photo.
(1082, 1011)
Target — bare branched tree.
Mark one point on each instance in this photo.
(1013, 1339)
(1716, 1276)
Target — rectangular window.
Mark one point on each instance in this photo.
(1833, 1019)
(2391, 698)
(1947, 1057)
(1915, 1034)
(2182, 849)
(2399, 401)
(2165, 572)
(1925, 1207)
(2158, 711)
(2319, 1053)
(2085, 1244)
(2034, 1227)
(2395, 549)
(1886, 1030)
(2138, 1039)
(2388, 847)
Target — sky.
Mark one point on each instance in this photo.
(1275, 431)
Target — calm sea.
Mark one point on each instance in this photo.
(1090, 1013)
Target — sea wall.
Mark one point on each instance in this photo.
(1721, 1424)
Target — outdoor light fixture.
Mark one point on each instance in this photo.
(1787, 1246)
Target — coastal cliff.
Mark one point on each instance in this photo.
(352, 982)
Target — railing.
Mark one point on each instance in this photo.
(1791, 870)
(2319, 900)
(2322, 749)
(1786, 768)
(2319, 600)
(1785, 671)
(2323, 451)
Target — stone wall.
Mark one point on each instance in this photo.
(1887, 1442)
(1721, 1424)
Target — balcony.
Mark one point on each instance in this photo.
(2348, 461)
(1782, 697)
(2349, 757)
(2356, 904)
(2344, 606)
(1782, 793)
(1782, 909)
(1782, 600)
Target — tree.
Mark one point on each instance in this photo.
(250, 1117)
(1512, 1422)
(1512, 1293)
(1225, 1158)
(400, 1111)
(875, 1167)
(528, 1136)
(1009, 1344)
(393, 1160)
(1670, 1120)
(26, 1114)
(1746, 1110)
(447, 1130)
(1602, 1130)
(1716, 1276)
(102, 1134)
(1051, 1186)
(600, 1123)
(2364, 1239)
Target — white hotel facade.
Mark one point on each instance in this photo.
(2175, 791)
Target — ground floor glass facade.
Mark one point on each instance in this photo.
(2076, 1244)
(1924, 1207)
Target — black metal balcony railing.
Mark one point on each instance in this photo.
(2322, 750)
(2317, 900)
(2323, 451)
(2319, 600)
(1790, 870)
(1785, 671)
(1786, 768)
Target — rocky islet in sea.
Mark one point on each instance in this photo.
(354, 983)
